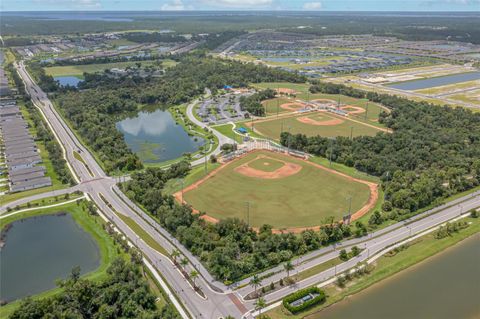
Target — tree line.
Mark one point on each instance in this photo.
(253, 103)
(124, 294)
(433, 152)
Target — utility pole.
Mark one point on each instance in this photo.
(331, 151)
(366, 110)
(278, 106)
(349, 205)
(206, 163)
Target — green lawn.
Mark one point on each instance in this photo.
(385, 267)
(78, 70)
(303, 199)
(92, 224)
(271, 128)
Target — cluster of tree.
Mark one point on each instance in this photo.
(449, 229)
(213, 40)
(433, 151)
(94, 114)
(16, 79)
(253, 103)
(45, 81)
(124, 294)
(17, 41)
(230, 249)
(144, 37)
(51, 145)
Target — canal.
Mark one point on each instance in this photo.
(445, 286)
(155, 137)
(40, 250)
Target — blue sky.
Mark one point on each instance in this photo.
(305, 5)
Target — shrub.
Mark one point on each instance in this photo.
(300, 294)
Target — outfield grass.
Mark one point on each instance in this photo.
(92, 224)
(306, 198)
(272, 128)
(272, 106)
(385, 267)
(78, 70)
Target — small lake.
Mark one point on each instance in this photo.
(446, 286)
(438, 81)
(155, 137)
(68, 80)
(40, 250)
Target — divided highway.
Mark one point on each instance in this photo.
(219, 300)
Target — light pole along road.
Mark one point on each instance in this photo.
(219, 300)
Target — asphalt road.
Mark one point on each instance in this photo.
(220, 300)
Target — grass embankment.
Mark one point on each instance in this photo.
(149, 240)
(46, 201)
(91, 224)
(385, 267)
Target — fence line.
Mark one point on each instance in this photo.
(262, 144)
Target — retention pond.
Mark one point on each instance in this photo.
(40, 250)
(156, 138)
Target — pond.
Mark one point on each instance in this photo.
(40, 250)
(438, 81)
(156, 138)
(445, 286)
(68, 80)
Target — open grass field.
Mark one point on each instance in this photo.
(312, 124)
(283, 191)
(299, 87)
(78, 70)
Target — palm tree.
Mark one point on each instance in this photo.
(288, 266)
(194, 274)
(255, 282)
(175, 254)
(260, 304)
(184, 262)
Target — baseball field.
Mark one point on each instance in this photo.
(313, 123)
(286, 192)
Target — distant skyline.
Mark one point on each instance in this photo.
(229, 5)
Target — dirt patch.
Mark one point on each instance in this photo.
(288, 169)
(310, 121)
(294, 106)
(285, 91)
(350, 109)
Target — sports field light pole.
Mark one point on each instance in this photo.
(248, 212)
(182, 189)
(351, 133)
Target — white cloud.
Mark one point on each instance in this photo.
(239, 3)
(73, 4)
(312, 5)
(176, 5)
